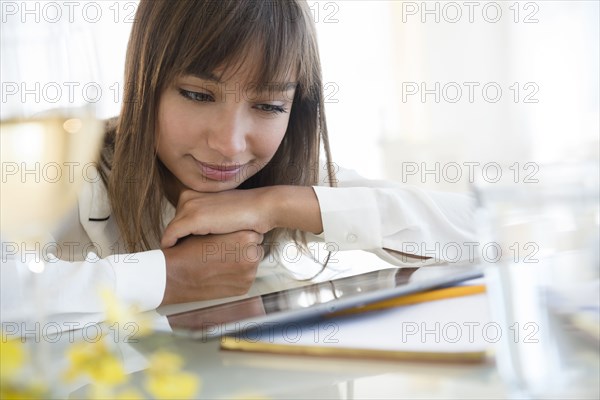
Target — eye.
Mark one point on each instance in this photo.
(196, 96)
(271, 108)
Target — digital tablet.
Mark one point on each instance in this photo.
(315, 300)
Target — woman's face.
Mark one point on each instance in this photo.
(213, 135)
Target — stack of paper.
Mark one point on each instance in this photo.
(455, 330)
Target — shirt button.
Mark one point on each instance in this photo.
(351, 238)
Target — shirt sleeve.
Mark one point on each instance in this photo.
(399, 223)
(67, 294)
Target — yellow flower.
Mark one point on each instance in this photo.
(103, 392)
(17, 392)
(117, 313)
(12, 357)
(12, 360)
(129, 394)
(180, 385)
(165, 380)
(96, 361)
(98, 392)
(164, 362)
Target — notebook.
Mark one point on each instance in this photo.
(455, 329)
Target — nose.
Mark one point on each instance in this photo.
(228, 133)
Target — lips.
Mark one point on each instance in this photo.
(219, 172)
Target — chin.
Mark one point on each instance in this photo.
(210, 186)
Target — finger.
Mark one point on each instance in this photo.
(260, 252)
(249, 236)
(168, 239)
(186, 195)
(177, 229)
(253, 253)
(218, 290)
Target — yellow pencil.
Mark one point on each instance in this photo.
(430, 295)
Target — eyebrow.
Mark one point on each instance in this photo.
(276, 86)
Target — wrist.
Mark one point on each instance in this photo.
(272, 208)
(172, 264)
(293, 207)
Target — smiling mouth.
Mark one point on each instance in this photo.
(219, 172)
(222, 167)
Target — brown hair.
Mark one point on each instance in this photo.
(171, 38)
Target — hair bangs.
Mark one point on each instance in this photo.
(269, 39)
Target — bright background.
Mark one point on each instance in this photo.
(381, 50)
(382, 61)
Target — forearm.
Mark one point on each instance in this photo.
(295, 207)
(259, 210)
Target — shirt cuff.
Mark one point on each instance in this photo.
(350, 217)
(141, 278)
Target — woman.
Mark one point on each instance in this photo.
(217, 147)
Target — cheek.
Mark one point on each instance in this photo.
(173, 127)
(269, 141)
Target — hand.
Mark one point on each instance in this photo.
(211, 319)
(218, 213)
(212, 266)
(260, 210)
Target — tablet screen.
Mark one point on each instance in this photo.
(313, 300)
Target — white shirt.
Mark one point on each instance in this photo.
(88, 254)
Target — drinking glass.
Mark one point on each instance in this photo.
(542, 276)
(49, 131)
